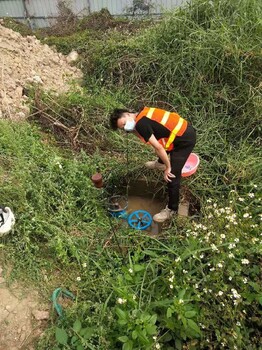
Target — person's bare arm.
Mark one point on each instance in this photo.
(160, 151)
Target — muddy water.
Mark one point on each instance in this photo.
(153, 206)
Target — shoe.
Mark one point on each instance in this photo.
(155, 165)
(164, 215)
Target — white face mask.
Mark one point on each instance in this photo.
(130, 125)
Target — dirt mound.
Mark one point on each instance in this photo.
(24, 61)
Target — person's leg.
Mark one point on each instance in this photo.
(183, 146)
(178, 158)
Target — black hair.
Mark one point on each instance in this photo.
(115, 115)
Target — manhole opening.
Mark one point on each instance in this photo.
(152, 197)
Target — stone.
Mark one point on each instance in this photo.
(183, 209)
(40, 315)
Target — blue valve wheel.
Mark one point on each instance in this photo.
(139, 220)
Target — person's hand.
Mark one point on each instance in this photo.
(168, 176)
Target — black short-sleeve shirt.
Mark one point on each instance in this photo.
(147, 127)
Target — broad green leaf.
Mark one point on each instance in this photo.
(128, 345)
(255, 286)
(123, 339)
(122, 322)
(87, 332)
(178, 344)
(121, 314)
(61, 336)
(142, 336)
(192, 324)
(151, 253)
(134, 334)
(80, 347)
(153, 319)
(181, 294)
(128, 277)
(169, 312)
(150, 329)
(74, 339)
(77, 326)
(138, 268)
(184, 321)
(190, 314)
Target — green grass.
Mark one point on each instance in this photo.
(199, 287)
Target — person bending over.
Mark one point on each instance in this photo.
(173, 139)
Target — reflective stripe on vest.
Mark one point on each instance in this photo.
(150, 113)
(165, 118)
(174, 132)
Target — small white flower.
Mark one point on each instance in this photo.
(220, 265)
(235, 294)
(213, 247)
(201, 256)
(245, 261)
(231, 255)
(134, 297)
(121, 301)
(154, 338)
(223, 236)
(246, 215)
(178, 259)
(251, 195)
(241, 199)
(59, 165)
(130, 270)
(236, 240)
(78, 279)
(171, 286)
(220, 293)
(185, 271)
(230, 278)
(231, 246)
(84, 264)
(255, 186)
(180, 301)
(157, 346)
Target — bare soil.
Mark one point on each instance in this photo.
(22, 316)
(25, 61)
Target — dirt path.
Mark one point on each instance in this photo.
(22, 316)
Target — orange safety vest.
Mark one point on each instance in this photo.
(171, 120)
